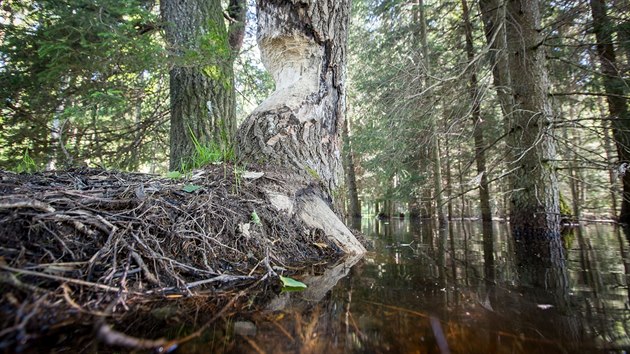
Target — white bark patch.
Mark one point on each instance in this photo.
(280, 202)
(295, 63)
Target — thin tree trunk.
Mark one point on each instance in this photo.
(354, 206)
(535, 200)
(611, 173)
(480, 156)
(493, 17)
(462, 210)
(617, 105)
(435, 141)
(449, 182)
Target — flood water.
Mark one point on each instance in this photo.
(422, 290)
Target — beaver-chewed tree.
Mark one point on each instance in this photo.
(297, 129)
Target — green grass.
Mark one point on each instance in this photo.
(207, 154)
(27, 164)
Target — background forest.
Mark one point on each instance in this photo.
(86, 82)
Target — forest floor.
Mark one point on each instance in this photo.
(93, 251)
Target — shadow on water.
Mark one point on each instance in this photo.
(467, 288)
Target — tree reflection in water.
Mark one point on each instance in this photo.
(464, 289)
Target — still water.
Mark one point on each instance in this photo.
(457, 290)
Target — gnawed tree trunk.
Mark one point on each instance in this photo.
(297, 129)
(298, 126)
(202, 76)
(617, 104)
(535, 213)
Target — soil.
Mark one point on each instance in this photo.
(93, 251)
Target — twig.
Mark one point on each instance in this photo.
(221, 278)
(258, 349)
(72, 303)
(109, 336)
(65, 279)
(206, 325)
(11, 279)
(33, 204)
(145, 270)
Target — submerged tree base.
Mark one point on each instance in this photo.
(89, 247)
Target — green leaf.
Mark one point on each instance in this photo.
(189, 188)
(174, 175)
(255, 218)
(290, 284)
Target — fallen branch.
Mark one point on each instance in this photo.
(29, 203)
(65, 279)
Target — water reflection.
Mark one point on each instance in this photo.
(463, 289)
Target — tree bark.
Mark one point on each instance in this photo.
(493, 17)
(303, 46)
(612, 179)
(354, 206)
(202, 77)
(480, 156)
(535, 200)
(297, 130)
(617, 105)
(435, 139)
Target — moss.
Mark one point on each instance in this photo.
(313, 173)
(566, 213)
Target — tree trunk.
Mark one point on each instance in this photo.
(297, 129)
(435, 140)
(612, 179)
(493, 17)
(303, 46)
(202, 77)
(480, 156)
(354, 206)
(449, 182)
(617, 105)
(535, 200)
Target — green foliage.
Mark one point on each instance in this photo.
(256, 218)
(27, 165)
(311, 171)
(174, 175)
(207, 154)
(189, 188)
(88, 74)
(290, 284)
(238, 173)
(566, 211)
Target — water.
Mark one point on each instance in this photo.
(457, 290)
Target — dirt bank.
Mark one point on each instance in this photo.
(88, 247)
